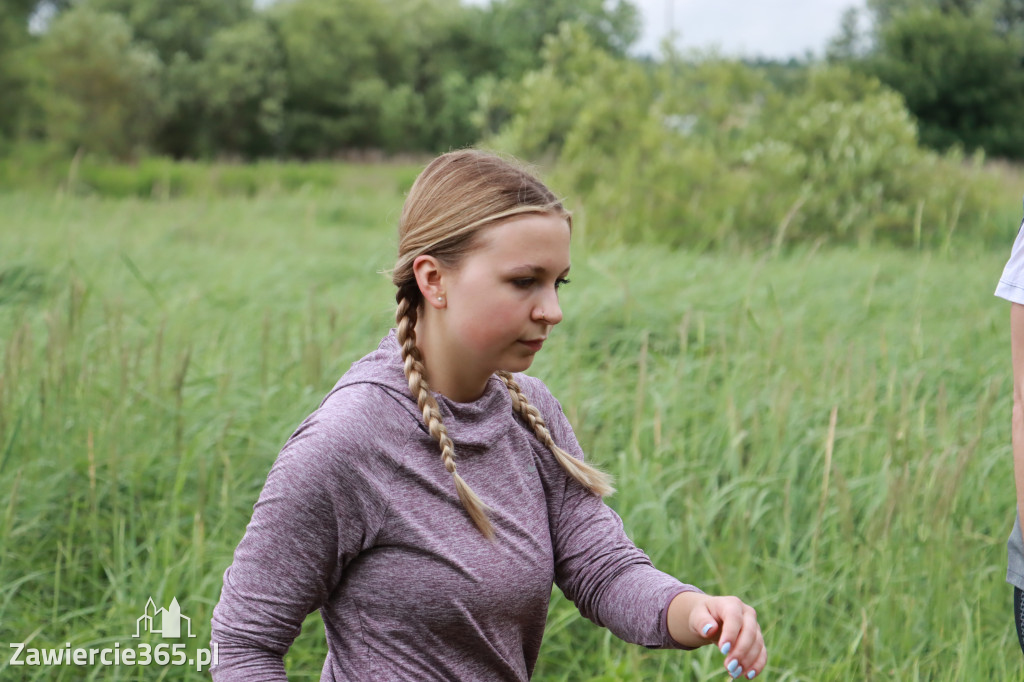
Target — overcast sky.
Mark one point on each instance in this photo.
(750, 28)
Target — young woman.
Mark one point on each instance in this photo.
(429, 503)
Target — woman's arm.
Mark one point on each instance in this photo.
(323, 500)
(613, 582)
(283, 568)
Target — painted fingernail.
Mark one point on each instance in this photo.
(725, 648)
(736, 673)
(752, 674)
(706, 629)
(733, 667)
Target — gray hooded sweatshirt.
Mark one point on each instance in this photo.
(359, 519)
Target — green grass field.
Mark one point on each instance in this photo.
(824, 433)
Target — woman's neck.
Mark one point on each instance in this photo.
(446, 373)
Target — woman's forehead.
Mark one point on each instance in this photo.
(536, 240)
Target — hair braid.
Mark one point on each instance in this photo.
(406, 317)
(595, 480)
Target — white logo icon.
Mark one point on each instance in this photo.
(165, 622)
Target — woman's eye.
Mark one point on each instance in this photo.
(527, 282)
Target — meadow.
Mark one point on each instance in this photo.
(823, 431)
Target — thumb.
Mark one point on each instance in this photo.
(703, 623)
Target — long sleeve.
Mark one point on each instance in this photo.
(611, 581)
(322, 502)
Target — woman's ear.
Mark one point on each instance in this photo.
(430, 280)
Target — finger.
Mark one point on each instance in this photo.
(759, 663)
(748, 644)
(703, 623)
(709, 628)
(728, 612)
(752, 662)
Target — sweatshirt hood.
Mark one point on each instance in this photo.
(471, 426)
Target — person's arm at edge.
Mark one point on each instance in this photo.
(1017, 420)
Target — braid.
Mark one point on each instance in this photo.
(406, 317)
(595, 480)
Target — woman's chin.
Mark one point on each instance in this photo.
(518, 364)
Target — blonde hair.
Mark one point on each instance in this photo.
(455, 197)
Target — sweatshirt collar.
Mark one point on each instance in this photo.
(471, 425)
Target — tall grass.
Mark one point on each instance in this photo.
(823, 432)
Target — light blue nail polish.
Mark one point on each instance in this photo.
(752, 674)
(733, 666)
(707, 627)
(736, 673)
(726, 648)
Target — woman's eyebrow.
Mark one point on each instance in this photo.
(530, 269)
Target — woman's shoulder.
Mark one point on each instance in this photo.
(375, 412)
(357, 425)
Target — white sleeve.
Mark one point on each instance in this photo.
(1011, 284)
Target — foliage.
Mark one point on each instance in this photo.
(171, 27)
(302, 78)
(14, 70)
(101, 89)
(706, 152)
(1008, 15)
(396, 75)
(180, 33)
(957, 64)
(963, 81)
(331, 49)
(613, 26)
(242, 87)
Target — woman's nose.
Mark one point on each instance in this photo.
(548, 310)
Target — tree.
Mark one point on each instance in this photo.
(101, 89)
(176, 26)
(338, 53)
(515, 29)
(385, 74)
(242, 85)
(445, 67)
(14, 72)
(961, 79)
(1007, 16)
(179, 32)
(957, 64)
(885, 11)
(851, 42)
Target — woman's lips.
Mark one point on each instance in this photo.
(533, 345)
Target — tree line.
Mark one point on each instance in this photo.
(296, 78)
(315, 78)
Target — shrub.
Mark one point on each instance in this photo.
(707, 152)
